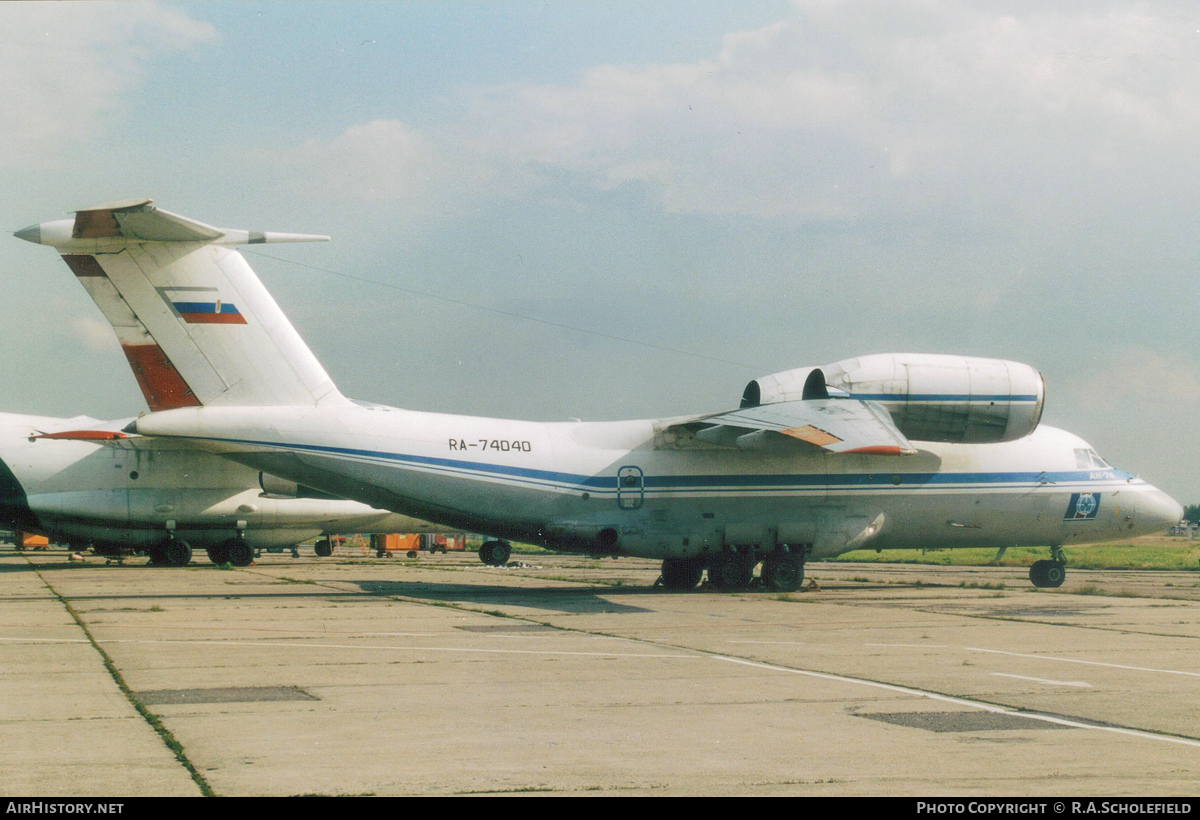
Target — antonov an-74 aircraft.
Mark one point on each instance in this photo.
(881, 451)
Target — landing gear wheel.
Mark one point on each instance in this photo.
(730, 572)
(240, 554)
(157, 555)
(323, 548)
(681, 573)
(1047, 573)
(218, 553)
(783, 572)
(177, 553)
(495, 553)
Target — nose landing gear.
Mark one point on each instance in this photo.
(1052, 573)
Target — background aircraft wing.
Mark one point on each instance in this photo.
(836, 425)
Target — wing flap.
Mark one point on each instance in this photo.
(836, 425)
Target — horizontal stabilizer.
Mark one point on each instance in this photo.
(138, 220)
(84, 435)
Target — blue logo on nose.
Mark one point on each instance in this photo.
(1082, 507)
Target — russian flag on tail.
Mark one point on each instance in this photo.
(209, 313)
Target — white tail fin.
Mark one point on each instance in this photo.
(195, 322)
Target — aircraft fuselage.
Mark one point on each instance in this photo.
(644, 488)
(118, 495)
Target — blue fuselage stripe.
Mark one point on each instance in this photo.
(665, 483)
(950, 397)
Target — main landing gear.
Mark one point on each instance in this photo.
(1050, 573)
(495, 553)
(172, 553)
(682, 573)
(730, 571)
(232, 551)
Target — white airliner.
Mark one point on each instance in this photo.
(84, 483)
(880, 452)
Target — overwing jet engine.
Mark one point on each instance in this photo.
(951, 399)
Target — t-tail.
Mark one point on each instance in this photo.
(193, 319)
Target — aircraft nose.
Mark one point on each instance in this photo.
(1158, 512)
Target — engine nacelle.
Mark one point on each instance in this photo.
(956, 399)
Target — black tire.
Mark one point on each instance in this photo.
(323, 548)
(218, 553)
(1048, 574)
(730, 572)
(240, 553)
(495, 553)
(177, 553)
(681, 573)
(157, 555)
(783, 572)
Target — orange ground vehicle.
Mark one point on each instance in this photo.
(29, 541)
(413, 543)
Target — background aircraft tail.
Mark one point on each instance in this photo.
(193, 319)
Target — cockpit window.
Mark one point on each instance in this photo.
(1090, 460)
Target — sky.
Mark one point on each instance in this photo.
(608, 210)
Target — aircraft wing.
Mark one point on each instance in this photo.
(836, 425)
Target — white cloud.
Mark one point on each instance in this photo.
(67, 67)
(1135, 376)
(852, 109)
(848, 108)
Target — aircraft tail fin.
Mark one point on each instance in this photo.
(196, 324)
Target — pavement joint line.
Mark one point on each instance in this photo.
(973, 704)
(995, 708)
(1085, 663)
(164, 734)
(681, 655)
(964, 702)
(1080, 683)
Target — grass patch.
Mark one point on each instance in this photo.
(1152, 553)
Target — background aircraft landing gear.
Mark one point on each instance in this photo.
(1050, 573)
(218, 553)
(495, 553)
(681, 573)
(783, 571)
